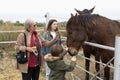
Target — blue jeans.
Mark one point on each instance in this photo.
(47, 71)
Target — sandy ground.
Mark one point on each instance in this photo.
(8, 70)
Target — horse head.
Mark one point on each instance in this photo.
(75, 35)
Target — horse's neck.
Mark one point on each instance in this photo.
(100, 38)
(103, 30)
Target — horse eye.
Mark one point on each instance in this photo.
(70, 33)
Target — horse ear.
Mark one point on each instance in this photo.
(91, 10)
(72, 15)
(75, 18)
(78, 11)
(76, 15)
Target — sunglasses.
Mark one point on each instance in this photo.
(35, 25)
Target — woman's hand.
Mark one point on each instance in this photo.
(30, 49)
(56, 37)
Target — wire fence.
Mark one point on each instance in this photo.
(10, 44)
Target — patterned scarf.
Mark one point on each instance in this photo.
(32, 57)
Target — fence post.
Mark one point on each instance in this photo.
(47, 16)
(117, 58)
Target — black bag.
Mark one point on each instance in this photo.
(22, 56)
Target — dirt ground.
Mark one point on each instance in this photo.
(8, 70)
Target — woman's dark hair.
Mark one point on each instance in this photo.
(56, 50)
(50, 23)
(49, 26)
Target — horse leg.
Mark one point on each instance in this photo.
(97, 65)
(105, 57)
(106, 73)
(87, 63)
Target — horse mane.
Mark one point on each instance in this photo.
(88, 21)
(84, 20)
(91, 20)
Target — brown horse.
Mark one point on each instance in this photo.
(99, 28)
(88, 50)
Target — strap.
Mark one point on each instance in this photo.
(25, 40)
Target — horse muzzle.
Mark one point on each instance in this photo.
(72, 52)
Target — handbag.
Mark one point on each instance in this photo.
(22, 56)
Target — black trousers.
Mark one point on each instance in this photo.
(33, 74)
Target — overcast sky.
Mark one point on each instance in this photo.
(20, 10)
